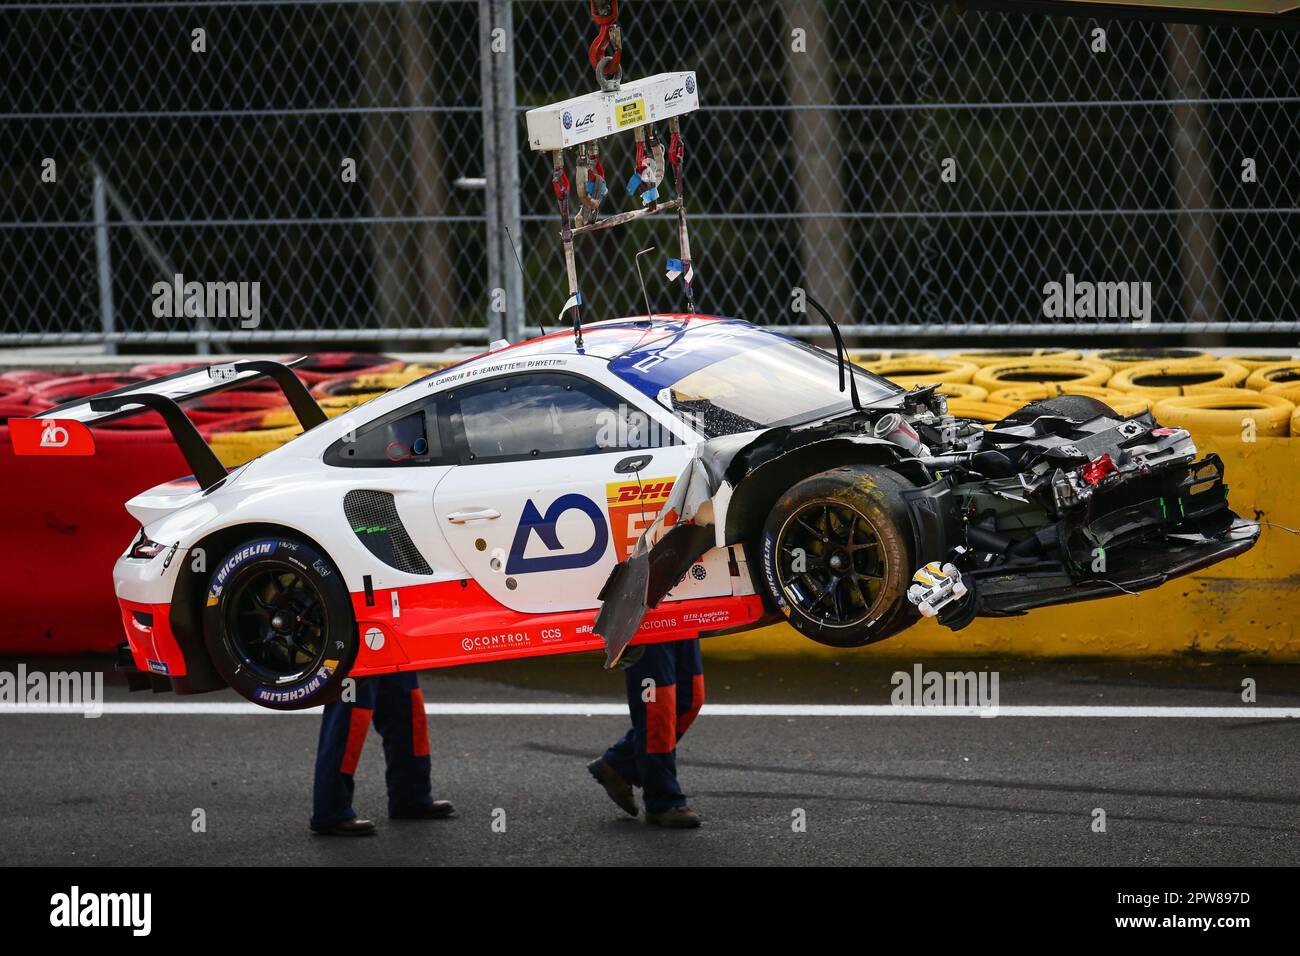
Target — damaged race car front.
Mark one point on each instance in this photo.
(860, 522)
(1098, 505)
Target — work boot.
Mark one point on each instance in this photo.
(678, 818)
(619, 790)
(349, 828)
(438, 810)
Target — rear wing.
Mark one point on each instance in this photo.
(164, 395)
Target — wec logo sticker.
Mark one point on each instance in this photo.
(544, 525)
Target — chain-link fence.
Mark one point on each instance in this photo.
(920, 170)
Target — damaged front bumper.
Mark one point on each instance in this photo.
(1139, 567)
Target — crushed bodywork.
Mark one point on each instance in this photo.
(1021, 514)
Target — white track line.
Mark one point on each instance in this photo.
(229, 709)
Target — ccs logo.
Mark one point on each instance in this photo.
(544, 525)
(567, 120)
(690, 84)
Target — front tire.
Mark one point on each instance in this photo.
(278, 623)
(837, 556)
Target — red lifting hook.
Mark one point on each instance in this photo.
(608, 65)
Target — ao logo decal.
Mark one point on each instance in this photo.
(544, 525)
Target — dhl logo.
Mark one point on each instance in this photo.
(650, 491)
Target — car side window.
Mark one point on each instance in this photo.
(547, 414)
(408, 436)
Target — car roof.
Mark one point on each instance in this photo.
(603, 340)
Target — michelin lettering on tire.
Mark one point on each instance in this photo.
(258, 549)
(769, 572)
(301, 691)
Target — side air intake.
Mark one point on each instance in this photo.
(373, 518)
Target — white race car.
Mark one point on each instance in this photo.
(666, 478)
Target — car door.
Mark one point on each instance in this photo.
(557, 478)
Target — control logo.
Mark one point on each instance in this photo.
(76, 909)
(486, 642)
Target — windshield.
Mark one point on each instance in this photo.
(777, 382)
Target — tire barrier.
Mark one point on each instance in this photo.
(1009, 374)
(1288, 390)
(1227, 414)
(1170, 379)
(15, 393)
(29, 377)
(980, 411)
(1253, 362)
(858, 357)
(10, 409)
(1279, 373)
(994, 356)
(66, 518)
(924, 369)
(283, 415)
(239, 441)
(223, 406)
(954, 390)
(1125, 403)
(56, 391)
(320, 366)
(370, 382)
(1120, 359)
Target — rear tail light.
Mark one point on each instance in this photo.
(144, 548)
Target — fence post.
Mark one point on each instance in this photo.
(107, 321)
(501, 167)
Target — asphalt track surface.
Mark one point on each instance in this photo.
(1202, 788)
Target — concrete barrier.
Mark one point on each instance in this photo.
(1247, 606)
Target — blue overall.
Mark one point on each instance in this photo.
(646, 757)
(396, 706)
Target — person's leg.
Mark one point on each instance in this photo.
(343, 730)
(621, 757)
(401, 722)
(652, 700)
(690, 684)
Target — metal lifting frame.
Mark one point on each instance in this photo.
(582, 122)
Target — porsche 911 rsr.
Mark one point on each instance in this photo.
(672, 477)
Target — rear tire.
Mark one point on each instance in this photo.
(278, 623)
(837, 556)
